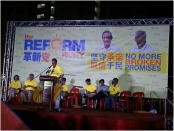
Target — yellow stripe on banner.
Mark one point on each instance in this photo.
(129, 61)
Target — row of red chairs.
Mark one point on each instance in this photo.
(123, 100)
(75, 92)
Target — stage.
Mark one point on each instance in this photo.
(70, 118)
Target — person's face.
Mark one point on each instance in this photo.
(54, 63)
(63, 82)
(115, 82)
(31, 77)
(140, 38)
(106, 39)
(101, 83)
(88, 83)
(16, 78)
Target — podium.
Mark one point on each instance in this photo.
(48, 78)
(54, 80)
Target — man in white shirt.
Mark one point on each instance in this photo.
(107, 46)
(142, 45)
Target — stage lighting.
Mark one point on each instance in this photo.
(52, 10)
(40, 16)
(40, 5)
(51, 17)
(97, 10)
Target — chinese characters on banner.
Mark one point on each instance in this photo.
(106, 61)
(128, 61)
(37, 56)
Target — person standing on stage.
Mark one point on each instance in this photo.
(29, 87)
(55, 71)
(15, 87)
(114, 91)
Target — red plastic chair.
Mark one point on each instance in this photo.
(75, 91)
(124, 99)
(138, 99)
(116, 105)
(64, 101)
(102, 104)
(90, 102)
(18, 98)
(26, 95)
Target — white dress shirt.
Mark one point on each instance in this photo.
(145, 48)
(112, 48)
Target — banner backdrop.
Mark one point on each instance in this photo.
(79, 50)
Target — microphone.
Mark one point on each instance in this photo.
(48, 71)
(49, 67)
(43, 71)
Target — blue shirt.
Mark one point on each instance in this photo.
(104, 88)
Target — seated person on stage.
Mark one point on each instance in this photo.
(56, 71)
(88, 91)
(15, 87)
(102, 91)
(29, 87)
(64, 87)
(38, 95)
(113, 90)
(62, 90)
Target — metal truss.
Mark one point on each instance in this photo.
(113, 22)
(10, 37)
(8, 59)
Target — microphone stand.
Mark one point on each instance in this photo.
(42, 72)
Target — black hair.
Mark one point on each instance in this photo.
(88, 80)
(16, 76)
(54, 59)
(64, 79)
(32, 74)
(115, 79)
(107, 32)
(102, 80)
(142, 32)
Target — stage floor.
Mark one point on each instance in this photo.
(93, 119)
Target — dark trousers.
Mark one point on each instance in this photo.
(99, 96)
(109, 100)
